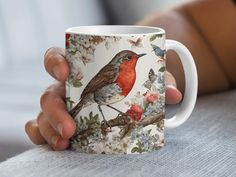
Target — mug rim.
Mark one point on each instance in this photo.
(115, 30)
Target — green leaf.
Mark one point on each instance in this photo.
(139, 144)
(86, 118)
(69, 102)
(72, 52)
(145, 105)
(134, 149)
(162, 69)
(153, 37)
(84, 62)
(96, 117)
(77, 83)
(81, 120)
(91, 115)
(73, 42)
(70, 105)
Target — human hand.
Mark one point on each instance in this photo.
(54, 125)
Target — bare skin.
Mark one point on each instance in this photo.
(53, 125)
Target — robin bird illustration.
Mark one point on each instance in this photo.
(111, 84)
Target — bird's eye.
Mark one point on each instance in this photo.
(129, 57)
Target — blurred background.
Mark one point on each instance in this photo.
(27, 29)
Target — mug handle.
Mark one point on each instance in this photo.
(191, 84)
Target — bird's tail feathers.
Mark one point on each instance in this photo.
(84, 102)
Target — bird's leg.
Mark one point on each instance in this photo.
(100, 109)
(120, 112)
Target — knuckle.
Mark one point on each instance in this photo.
(38, 142)
(44, 97)
(48, 51)
(30, 131)
(28, 126)
(53, 53)
(53, 50)
(49, 62)
(54, 94)
(47, 133)
(40, 118)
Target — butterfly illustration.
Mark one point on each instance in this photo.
(137, 43)
(152, 77)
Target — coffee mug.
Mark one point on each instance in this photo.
(116, 89)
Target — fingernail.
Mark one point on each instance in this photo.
(60, 128)
(171, 86)
(56, 71)
(54, 140)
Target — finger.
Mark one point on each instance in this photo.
(54, 109)
(173, 95)
(50, 135)
(56, 64)
(32, 130)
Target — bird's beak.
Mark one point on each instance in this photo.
(141, 55)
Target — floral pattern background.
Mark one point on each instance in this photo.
(141, 128)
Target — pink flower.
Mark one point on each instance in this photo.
(79, 76)
(151, 97)
(135, 112)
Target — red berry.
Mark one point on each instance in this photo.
(67, 36)
(135, 112)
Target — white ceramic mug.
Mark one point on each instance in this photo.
(116, 89)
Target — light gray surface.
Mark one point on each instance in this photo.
(28, 28)
(203, 146)
(20, 90)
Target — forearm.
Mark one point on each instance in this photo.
(183, 24)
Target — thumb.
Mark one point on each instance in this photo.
(173, 95)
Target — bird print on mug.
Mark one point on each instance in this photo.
(159, 52)
(111, 84)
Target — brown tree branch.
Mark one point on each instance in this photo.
(126, 123)
(152, 119)
(123, 120)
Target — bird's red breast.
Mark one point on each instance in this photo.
(127, 76)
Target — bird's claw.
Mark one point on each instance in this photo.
(106, 122)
